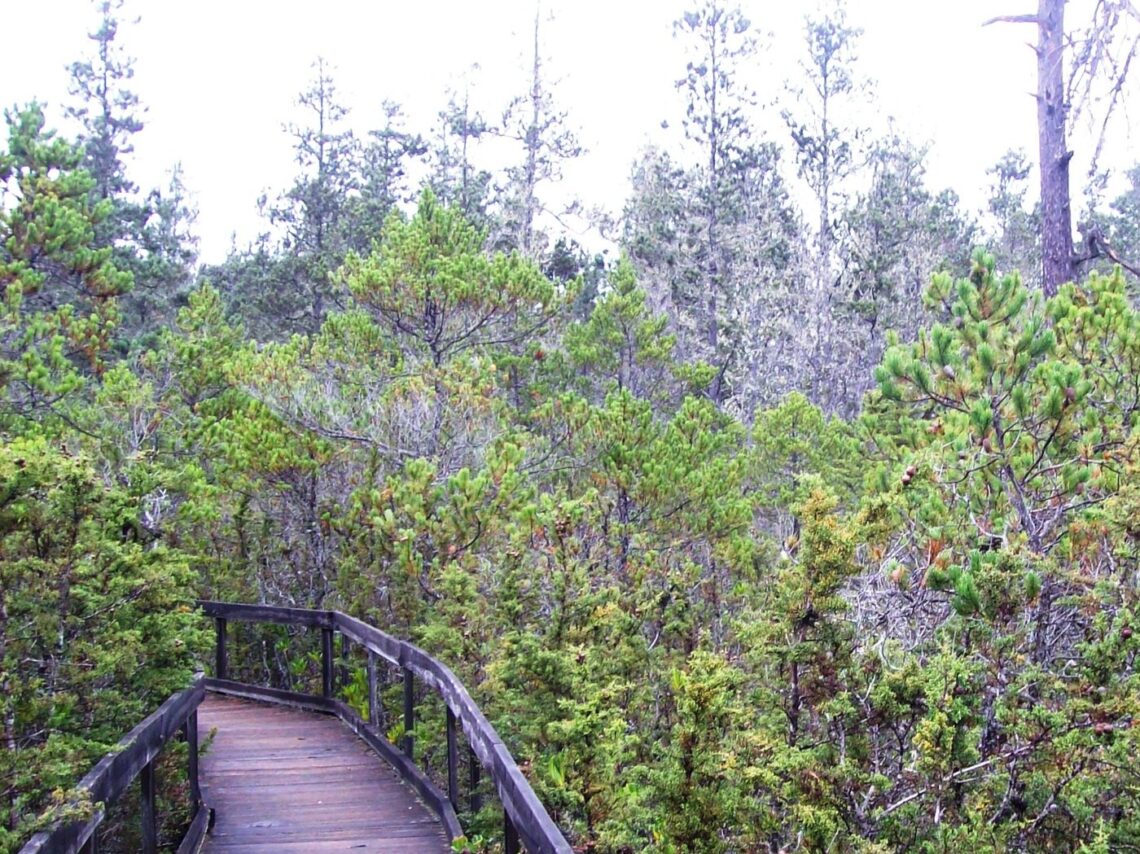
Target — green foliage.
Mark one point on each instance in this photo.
(694, 634)
(96, 627)
(1003, 444)
(59, 310)
(430, 284)
(622, 343)
(795, 448)
(147, 234)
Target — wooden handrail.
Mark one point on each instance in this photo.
(524, 816)
(135, 757)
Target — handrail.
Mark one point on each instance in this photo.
(524, 816)
(135, 756)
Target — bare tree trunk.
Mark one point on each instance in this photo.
(1059, 263)
(715, 272)
(526, 238)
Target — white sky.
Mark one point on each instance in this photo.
(220, 78)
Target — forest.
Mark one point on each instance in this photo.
(806, 519)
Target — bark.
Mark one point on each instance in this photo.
(1058, 260)
(712, 329)
(530, 203)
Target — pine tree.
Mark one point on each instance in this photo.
(105, 107)
(1014, 230)
(60, 288)
(150, 235)
(827, 153)
(288, 288)
(893, 237)
(1123, 229)
(455, 178)
(535, 124)
(715, 120)
(383, 185)
(665, 234)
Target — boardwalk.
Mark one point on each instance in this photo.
(286, 781)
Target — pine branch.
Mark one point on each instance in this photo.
(1111, 253)
(1013, 19)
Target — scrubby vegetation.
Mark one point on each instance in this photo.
(714, 598)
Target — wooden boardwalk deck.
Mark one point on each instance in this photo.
(281, 780)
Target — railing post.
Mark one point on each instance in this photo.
(510, 835)
(473, 770)
(221, 658)
(409, 712)
(327, 685)
(452, 761)
(190, 733)
(149, 821)
(374, 709)
(343, 676)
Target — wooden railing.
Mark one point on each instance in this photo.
(135, 757)
(524, 817)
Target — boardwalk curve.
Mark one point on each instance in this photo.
(284, 780)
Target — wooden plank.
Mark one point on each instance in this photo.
(111, 775)
(306, 702)
(328, 675)
(409, 714)
(406, 768)
(387, 844)
(452, 761)
(510, 836)
(473, 767)
(528, 816)
(190, 735)
(221, 654)
(267, 614)
(526, 813)
(286, 781)
(375, 709)
(197, 832)
(149, 817)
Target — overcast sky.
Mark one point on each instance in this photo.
(219, 78)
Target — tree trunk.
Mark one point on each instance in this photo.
(533, 142)
(1059, 264)
(715, 271)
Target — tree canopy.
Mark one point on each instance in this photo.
(799, 521)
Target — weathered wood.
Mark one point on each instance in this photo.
(343, 674)
(197, 832)
(407, 769)
(267, 614)
(375, 738)
(375, 710)
(148, 817)
(534, 826)
(221, 659)
(473, 769)
(190, 736)
(283, 780)
(452, 761)
(304, 702)
(409, 713)
(112, 774)
(510, 836)
(328, 685)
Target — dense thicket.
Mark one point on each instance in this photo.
(760, 538)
